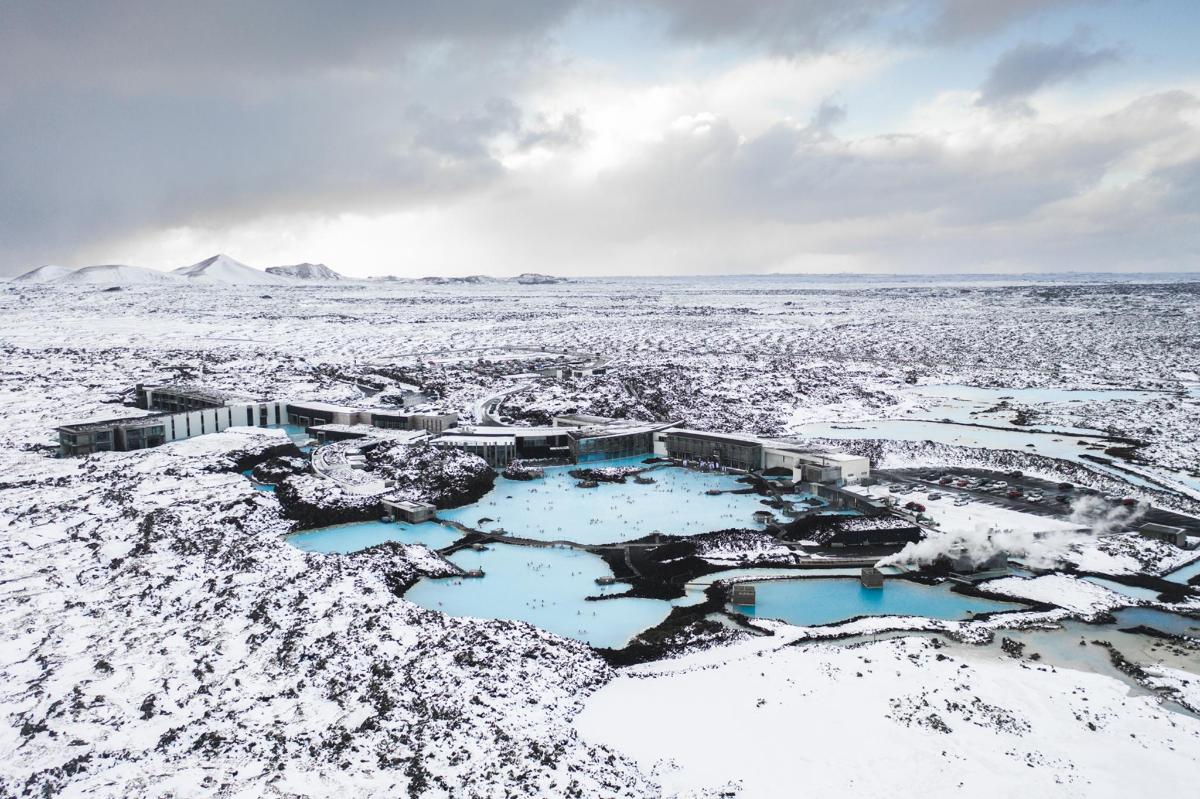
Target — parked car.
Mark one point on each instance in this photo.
(1129, 501)
(935, 495)
(1013, 493)
(1065, 486)
(1062, 498)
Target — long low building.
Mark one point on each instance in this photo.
(156, 429)
(733, 451)
(749, 452)
(610, 441)
(306, 412)
(497, 450)
(532, 443)
(328, 433)
(181, 411)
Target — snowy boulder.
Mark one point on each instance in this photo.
(518, 471)
(234, 449)
(276, 470)
(317, 502)
(605, 474)
(446, 478)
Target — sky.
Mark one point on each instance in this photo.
(603, 137)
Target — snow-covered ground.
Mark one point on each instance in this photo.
(899, 717)
(159, 636)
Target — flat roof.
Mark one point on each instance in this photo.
(408, 504)
(741, 438)
(587, 418)
(368, 430)
(121, 421)
(614, 431)
(397, 413)
(515, 432)
(476, 440)
(840, 457)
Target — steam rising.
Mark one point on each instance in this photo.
(1039, 549)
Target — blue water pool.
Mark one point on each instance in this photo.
(547, 587)
(344, 538)
(552, 508)
(1182, 575)
(294, 431)
(1131, 591)
(1159, 620)
(248, 474)
(809, 602)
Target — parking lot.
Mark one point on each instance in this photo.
(926, 481)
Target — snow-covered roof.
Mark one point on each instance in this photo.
(614, 431)
(397, 413)
(515, 432)
(837, 457)
(463, 441)
(122, 421)
(370, 431)
(740, 438)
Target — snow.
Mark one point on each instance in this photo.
(118, 275)
(1070, 593)
(306, 271)
(157, 626)
(43, 274)
(1181, 686)
(896, 716)
(225, 270)
(163, 575)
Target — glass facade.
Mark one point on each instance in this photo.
(712, 449)
(609, 447)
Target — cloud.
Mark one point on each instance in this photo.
(962, 20)
(808, 26)
(131, 126)
(1032, 66)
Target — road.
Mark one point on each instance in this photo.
(484, 415)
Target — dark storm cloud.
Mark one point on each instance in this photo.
(121, 40)
(960, 20)
(1031, 66)
(123, 117)
(798, 26)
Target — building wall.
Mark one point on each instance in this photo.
(171, 427)
(608, 447)
(433, 422)
(495, 454)
(727, 452)
(299, 413)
